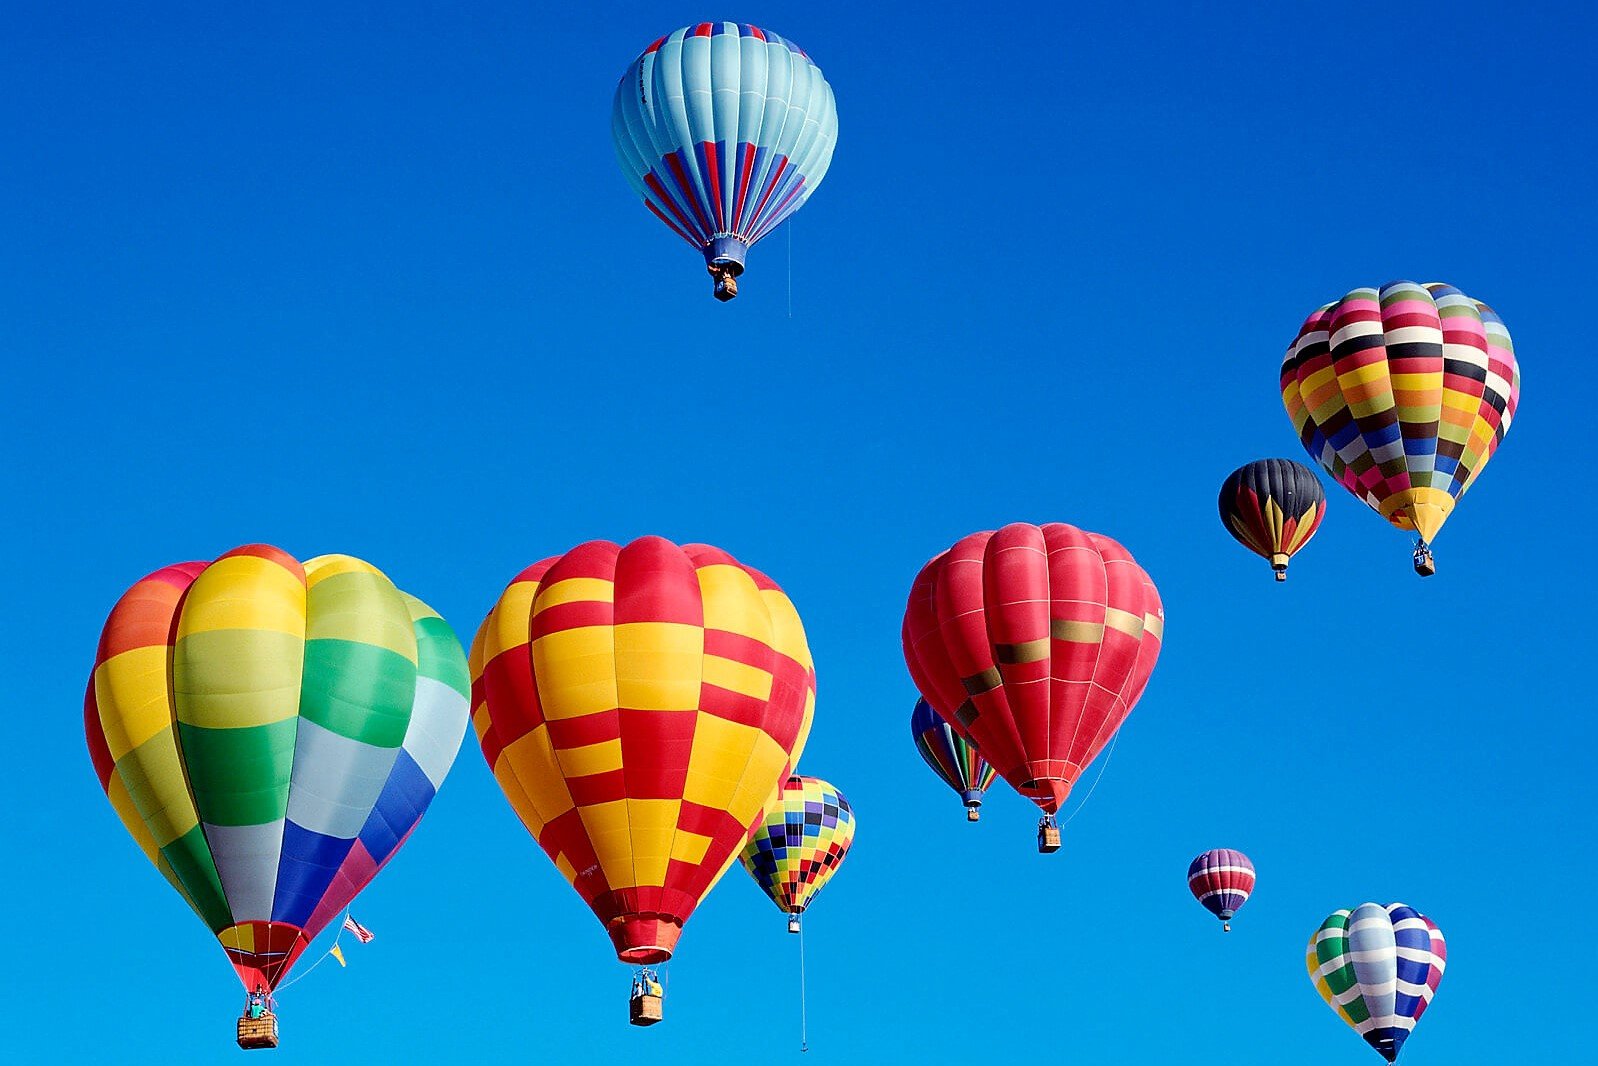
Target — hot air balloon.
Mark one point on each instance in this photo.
(1273, 507)
(1034, 643)
(1221, 880)
(640, 706)
(800, 844)
(952, 757)
(724, 130)
(1402, 394)
(795, 850)
(270, 733)
(1378, 968)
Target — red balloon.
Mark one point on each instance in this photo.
(1034, 642)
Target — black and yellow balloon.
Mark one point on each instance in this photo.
(1273, 507)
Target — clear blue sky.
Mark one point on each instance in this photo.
(371, 282)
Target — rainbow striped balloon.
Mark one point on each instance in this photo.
(1378, 968)
(270, 733)
(952, 757)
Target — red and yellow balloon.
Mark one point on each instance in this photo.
(640, 706)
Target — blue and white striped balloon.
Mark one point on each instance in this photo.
(1378, 968)
(724, 130)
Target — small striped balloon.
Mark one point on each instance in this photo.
(1221, 880)
(1272, 507)
(1378, 968)
(952, 757)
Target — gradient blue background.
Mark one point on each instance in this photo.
(370, 282)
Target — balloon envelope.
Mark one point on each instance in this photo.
(1378, 968)
(270, 734)
(1402, 394)
(639, 707)
(1221, 879)
(951, 756)
(724, 130)
(800, 843)
(1035, 642)
(1272, 507)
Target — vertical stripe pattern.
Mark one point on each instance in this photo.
(723, 130)
(247, 716)
(951, 756)
(1272, 507)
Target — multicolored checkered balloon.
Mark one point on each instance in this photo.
(800, 843)
(1402, 394)
(1378, 968)
(270, 733)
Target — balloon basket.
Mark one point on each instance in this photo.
(1048, 837)
(973, 815)
(1424, 566)
(258, 1032)
(1281, 575)
(646, 1009)
(648, 996)
(726, 283)
(793, 923)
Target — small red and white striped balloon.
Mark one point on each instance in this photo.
(1221, 880)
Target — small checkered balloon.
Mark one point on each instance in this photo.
(801, 842)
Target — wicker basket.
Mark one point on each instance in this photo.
(646, 1009)
(1048, 838)
(258, 1032)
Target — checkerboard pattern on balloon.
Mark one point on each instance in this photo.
(801, 843)
(1402, 394)
(640, 706)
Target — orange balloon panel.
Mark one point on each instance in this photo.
(640, 707)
